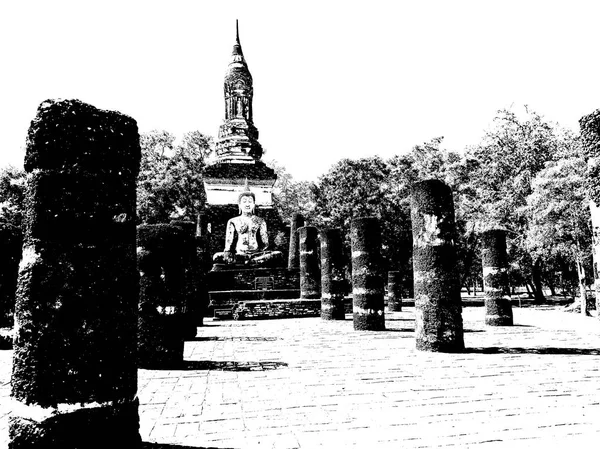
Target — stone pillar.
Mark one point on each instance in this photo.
(595, 222)
(161, 328)
(192, 277)
(438, 308)
(367, 282)
(11, 241)
(394, 291)
(498, 309)
(590, 141)
(310, 274)
(332, 275)
(296, 223)
(204, 258)
(74, 378)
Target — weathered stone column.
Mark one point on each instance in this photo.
(192, 277)
(367, 282)
(162, 320)
(74, 378)
(332, 275)
(394, 291)
(498, 309)
(595, 222)
(204, 258)
(11, 241)
(590, 139)
(310, 274)
(438, 308)
(296, 223)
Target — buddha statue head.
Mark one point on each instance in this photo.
(246, 201)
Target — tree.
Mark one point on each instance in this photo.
(430, 161)
(290, 196)
(364, 187)
(170, 180)
(559, 217)
(504, 164)
(12, 195)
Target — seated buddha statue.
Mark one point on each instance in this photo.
(246, 238)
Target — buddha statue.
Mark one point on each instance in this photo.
(246, 237)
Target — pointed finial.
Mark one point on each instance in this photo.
(237, 32)
(246, 192)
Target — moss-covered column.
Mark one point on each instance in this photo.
(296, 223)
(332, 275)
(367, 281)
(590, 140)
(394, 291)
(438, 309)
(162, 319)
(310, 273)
(74, 378)
(498, 308)
(192, 278)
(11, 241)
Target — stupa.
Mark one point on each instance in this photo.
(238, 280)
(238, 159)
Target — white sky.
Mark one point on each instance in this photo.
(332, 79)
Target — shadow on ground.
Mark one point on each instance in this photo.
(546, 351)
(174, 446)
(233, 339)
(208, 365)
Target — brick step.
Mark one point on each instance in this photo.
(277, 308)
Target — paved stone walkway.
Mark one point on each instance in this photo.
(304, 383)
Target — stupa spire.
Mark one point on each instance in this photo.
(238, 137)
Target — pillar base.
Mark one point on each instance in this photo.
(92, 428)
(394, 305)
(498, 312)
(333, 308)
(371, 321)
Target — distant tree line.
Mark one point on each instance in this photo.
(527, 176)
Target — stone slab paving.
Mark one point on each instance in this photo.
(304, 383)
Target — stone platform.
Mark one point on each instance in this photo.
(227, 287)
(307, 383)
(277, 308)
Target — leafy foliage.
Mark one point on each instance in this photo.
(170, 180)
(290, 196)
(12, 194)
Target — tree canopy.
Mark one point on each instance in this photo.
(170, 180)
